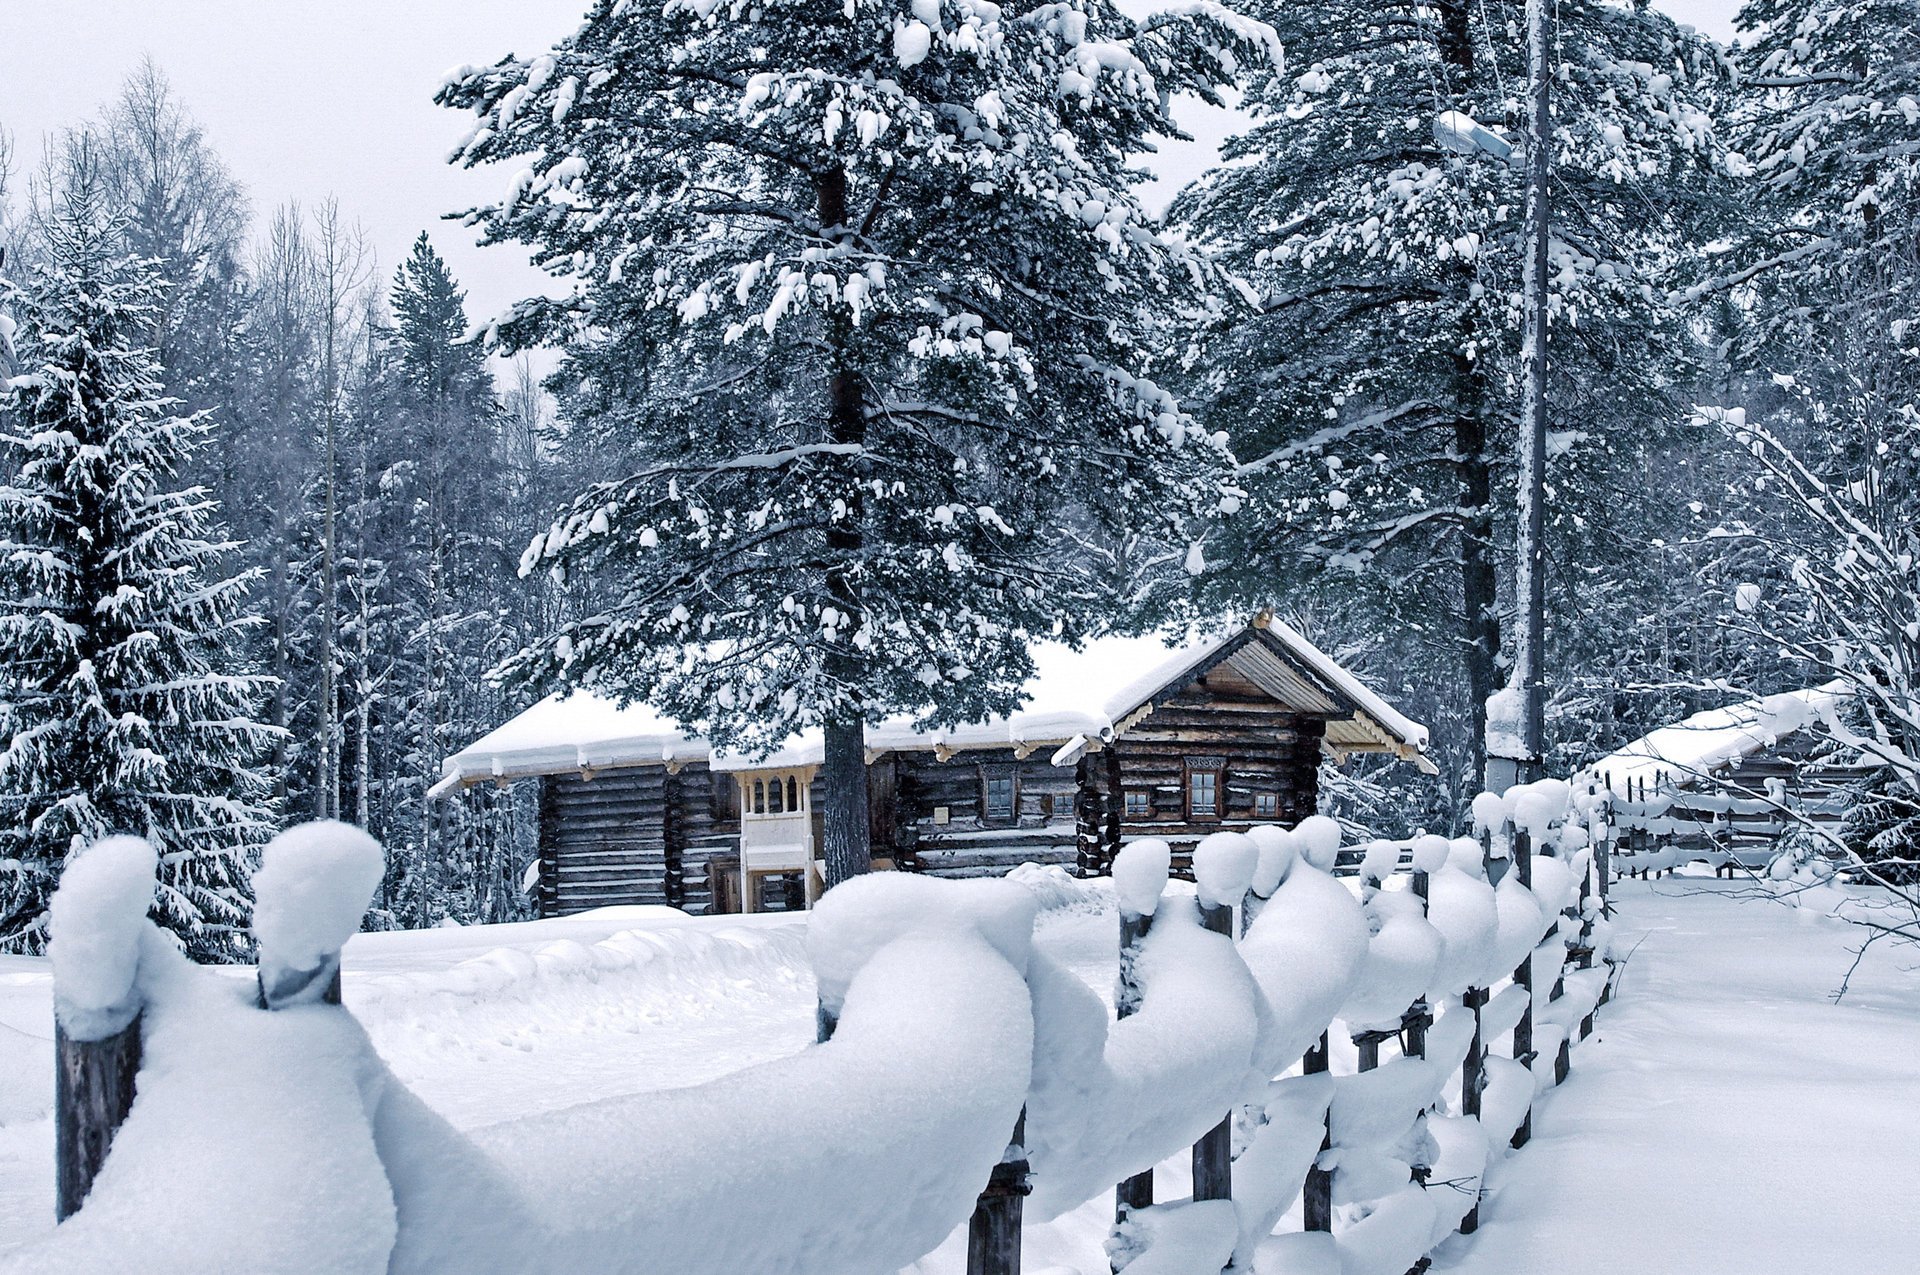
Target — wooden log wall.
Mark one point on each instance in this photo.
(1041, 827)
(1262, 748)
(635, 835)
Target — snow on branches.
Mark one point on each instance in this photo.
(870, 301)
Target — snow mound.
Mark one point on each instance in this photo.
(1140, 875)
(98, 917)
(313, 886)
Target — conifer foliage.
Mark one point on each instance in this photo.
(119, 707)
(1374, 396)
(866, 287)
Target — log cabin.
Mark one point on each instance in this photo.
(1119, 739)
(1725, 785)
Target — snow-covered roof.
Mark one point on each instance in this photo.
(1075, 696)
(1706, 741)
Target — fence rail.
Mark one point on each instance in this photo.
(1366, 1050)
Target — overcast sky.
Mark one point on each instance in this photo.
(305, 98)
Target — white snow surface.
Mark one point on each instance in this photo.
(98, 918)
(312, 887)
(1140, 874)
(1086, 692)
(1698, 745)
(623, 1011)
(1724, 1114)
(1223, 867)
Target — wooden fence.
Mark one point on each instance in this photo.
(98, 1068)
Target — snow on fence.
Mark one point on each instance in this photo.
(963, 1076)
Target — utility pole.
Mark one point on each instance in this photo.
(1530, 588)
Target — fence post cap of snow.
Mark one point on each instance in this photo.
(98, 917)
(1431, 852)
(1277, 852)
(1140, 874)
(314, 884)
(1319, 840)
(857, 918)
(1489, 811)
(1223, 867)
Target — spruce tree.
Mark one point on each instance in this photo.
(1374, 397)
(430, 557)
(860, 289)
(121, 706)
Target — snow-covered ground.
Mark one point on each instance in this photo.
(1728, 1115)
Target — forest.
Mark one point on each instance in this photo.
(874, 365)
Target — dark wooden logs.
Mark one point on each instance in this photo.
(1135, 1192)
(1086, 819)
(1523, 977)
(1213, 1154)
(673, 837)
(993, 1234)
(1316, 1196)
(94, 1083)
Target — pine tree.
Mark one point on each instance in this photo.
(1828, 121)
(1374, 397)
(435, 522)
(859, 288)
(121, 706)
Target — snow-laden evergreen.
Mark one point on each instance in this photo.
(1373, 399)
(1828, 121)
(429, 602)
(123, 706)
(864, 290)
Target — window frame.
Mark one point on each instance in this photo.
(1137, 803)
(1216, 769)
(989, 777)
(1266, 805)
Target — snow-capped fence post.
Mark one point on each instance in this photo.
(1140, 873)
(1522, 843)
(99, 922)
(1419, 1015)
(1473, 1069)
(314, 884)
(1223, 869)
(993, 1234)
(1316, 1194)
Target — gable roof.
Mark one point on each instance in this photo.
(1697, 746)
(1076, 696)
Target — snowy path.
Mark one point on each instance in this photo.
(1727, 1116)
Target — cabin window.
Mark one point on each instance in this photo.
(759, 796)
(777, 799)
(1266, 805)
(1204, 781)
(1139, 804)
(997, 796)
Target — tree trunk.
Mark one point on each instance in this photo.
(1530, 589)
(1479, 596)
(1479, 589)
(848, 850)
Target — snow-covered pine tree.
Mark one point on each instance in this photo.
(1829, 120)
(121, 709)
(429, 565)
(1373, 398)
(861, 288)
